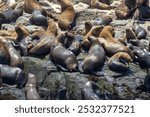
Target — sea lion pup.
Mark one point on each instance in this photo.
(13, 76)
(139, 31)
(15, 58)
(62, 57)
(10, 15)
(45, 42)
(90, 91)
(4, 53)
(110, 44)
(125, 9)
(22, 39)
(68, 16)
(119, 62)
(38, 19)
(100, 4)
(95, 58)
(95, 31)
(31, 92)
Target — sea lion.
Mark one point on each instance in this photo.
(31, 5)
(90, 91)
(4, 53)
(45, 42)
(142, 12)
(63, 57)
(95, 31)
(15, 58)
(22, 38)
(31, 92)
(139, 31)
(119, 62)
(8, 34)
(13, 76)
(100, 4)
(130, 34)
(95, 58)
(10, 15)
(38, 19)
(125, 9)
(87, 28)
(110, 44)
(68, 16)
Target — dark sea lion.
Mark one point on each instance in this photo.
(125, 9)
(110, 44)
(4, 53)
(95, 58)
(90, 91)
(45, 42)
(22, 39)
(130, 34)
(119, 62)
(143, 10)
(10, 15)
(139, 31)
(13, 76)
(15, 58)
(31, 92)
(63, 57)
(38, 19)
(100, 4)
(68, 16)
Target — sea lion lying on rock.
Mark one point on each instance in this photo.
(68, 16)
(13, 76)
(119, 62)
(125, 9)
(100, 4)
(95, 58)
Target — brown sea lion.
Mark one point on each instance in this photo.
(87, 28)
(125, 9)
(31, 92)
(15, 58)
(62, 57)
(90, 90)
(100, 4)
(110, 44)
(119, 62)
(9, 34)
(95, 31)
(45, 42)
(95, 58)
(13, 76)
(31, 5)
(68, 16)
(22, 39)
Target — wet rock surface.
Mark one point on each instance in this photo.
(55, 84)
